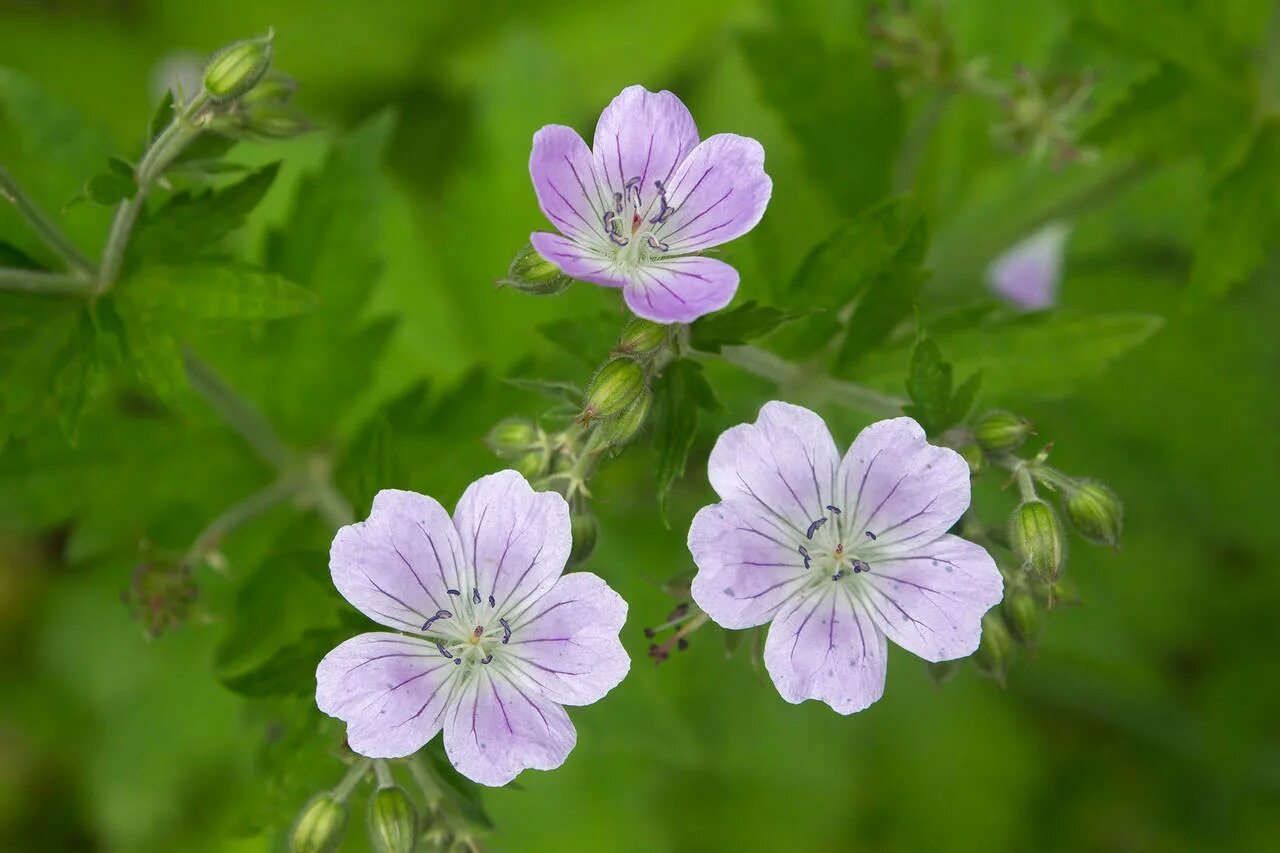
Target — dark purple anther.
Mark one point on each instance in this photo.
(632, 189)
(834, 509)
(454, 591)
(813, 528)
(871, 536)
(487, 658)
(618, 241)
(457, 661)
(506, 631)
(804, 553)
(440, 614)
(617, 202)
(492, 602)
(475, 595)
(859, 566)
(656, 244)
(839, 574)
(443, 650)
(609, 217)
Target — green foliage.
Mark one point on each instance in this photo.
(934, 402)
(737, 325)
(678, 395)
(110, 187)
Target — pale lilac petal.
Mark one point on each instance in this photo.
(719, 192)
(585, 263)
(783, 467)
(746, 568)
(1027, 274)
(397, 566)
(930, 599)
(826, 647)
(569, 192)
(900, 489)
(390, 690)
(518, 540)
(567, 641)
(642, 135)
(680, 290)
(501, 726)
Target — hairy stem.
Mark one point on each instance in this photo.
(49, 283)
(45, 227)
(238, 514)
(820, 388)
(382, 770)
(353, 777)
(238, 413)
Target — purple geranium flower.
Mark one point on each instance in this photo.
(634, 208)
(496, 641)
(1027, 274)
(840, 553)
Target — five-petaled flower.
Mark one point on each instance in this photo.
(495, 639)
(840, 554)
(633, 208)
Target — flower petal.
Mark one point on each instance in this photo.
(826, 647)
(576, 261)
(569, 192)
(783, 466)
(745, 571)
(719, 192)
(391, 691)
(501, 727)
(644, 135)
(517, 539)
(1027, 274)
(900, 489)
(680, 290)
(930, 599)
(567, 641)
(396, 566)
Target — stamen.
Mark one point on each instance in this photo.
(487, 658)
(859, 566)
(443, 650)
(617, 202)
(457, 661)
(609, 216)
(656, 244)
(804, 553)
(834, 509)
(839, 574)
(454, 591)
(618, 241)
(440, 614)
(871, 536)
(632, 189)
(506, 630)
(475, 595)
(813, 528)
(492, 602)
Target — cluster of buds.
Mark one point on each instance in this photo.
(250, 100)
(161, 595)
(1041, 116)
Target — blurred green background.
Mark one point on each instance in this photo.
(1149, 719)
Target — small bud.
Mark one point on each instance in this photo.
(1096, 512)
(972, 454)
(996, 650)
(237, 68)
(614, 389)
(393, 821)
(511, 438)
(320, 825)
(625, 427)
(585, 532)
(533, 274)
(1036, 539)
(641, 337)
(532, 464)
(1000, 431)
(1022, 615)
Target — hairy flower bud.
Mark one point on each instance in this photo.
(1036, 539)
(320, 825)
(614, 389)
(532, 464)
(972, 454)
(626, 426)
(1022, 615)
(533, 274)
(513, 437)
(585, 533)
(641, 337)
(996, 649)
(1096, 512)
(1000, 431)
(393, 821)
(237, 68)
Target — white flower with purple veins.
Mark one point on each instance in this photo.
(840, 554)
(494, 639)
(634, 209)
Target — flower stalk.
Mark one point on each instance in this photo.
(46, 228)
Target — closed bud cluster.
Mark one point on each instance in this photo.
(997, 432)
(641, 337)
(237, 68)
(623, 429)
(614, 389)
(1036, 539)
(392, 821)
(995, 652)
(320, 825)
(1096, 512)
(585, 532)
(533, 274)
(1042, 116)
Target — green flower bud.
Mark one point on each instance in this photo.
(1000, 431)
(972, 454)
(320, 825)
(585, 533)
(1096, 513)
(532, 464)
(275, 122)
(533, 274)
(641, 337)
(393, 821)
(1022, 615)
(1036, 539)
(237, 68)
(614, 389)
(513, 437)
(995, 652)
(626, 426)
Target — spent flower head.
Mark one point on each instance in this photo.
(492, 640)
(634, 209)
(840, 554)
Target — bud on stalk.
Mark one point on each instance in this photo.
(513, 437)
(533, 274)
(1022, 614)
(393, 821)
(1036, 539)
(237, 68)
(1000, 431)
(996, 651)
(320, 825)
(641, 337)
(1096, 512)
(614, 389)
(626, 426)
(585, 531)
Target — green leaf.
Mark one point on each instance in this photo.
(110, 187)
(292, 669)
(585, 339)
(735, 326)
(154, 353)
(562, 391)
(207, 292)
(1242, 227)
(678, 394)
(464, 793)
(929, 384)
(48, 362)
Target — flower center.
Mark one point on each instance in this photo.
(632, 225)
(471, 635)
(830, 552)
